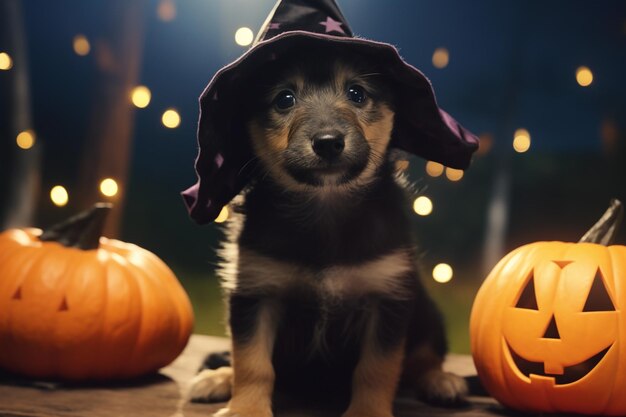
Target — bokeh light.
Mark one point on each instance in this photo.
(441, 58)
(109, 187)
(140, 96)
(26, 139)
(442, 273)
(423, 205)
(170, 118)
(454, 174)
(6, 63)
(521, 140)
(244, 36)
(81, 45)
(584, 76)
(59, 195)
(434, 169)
(166, 10)
(223, 216)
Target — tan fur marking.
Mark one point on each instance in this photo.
(378, 135)
(385, 275)
(253, 377)
(375, 381)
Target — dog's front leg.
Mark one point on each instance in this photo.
(253, 328)
(379, 368)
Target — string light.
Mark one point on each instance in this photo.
(454, 174)
(81, 45)
(434, 169)
(442, 273)
(441, 57)
(223, 216)
(521, 140)
(486, 143)
(109, 187)
(244, 36)
(170, 119)
(166, 10)
(6, 63)
(423, 205)
(26, 139)
(140, 96)
(584, 76)
(59, 196)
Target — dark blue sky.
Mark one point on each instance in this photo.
(512, 64)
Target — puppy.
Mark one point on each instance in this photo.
(319, 274)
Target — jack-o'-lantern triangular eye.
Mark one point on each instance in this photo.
(64, 306)
(598, 298)
(528, 298)
(17, 295)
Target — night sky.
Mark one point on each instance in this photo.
(511, 64)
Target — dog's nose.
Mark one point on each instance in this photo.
(328, 145)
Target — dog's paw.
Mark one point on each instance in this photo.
(211, 385)
(230, 412)
(442, 388)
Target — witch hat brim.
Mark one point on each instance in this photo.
(222, 165)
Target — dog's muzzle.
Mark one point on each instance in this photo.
(328, 145)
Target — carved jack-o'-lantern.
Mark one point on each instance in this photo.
(547, 328)
(77, 306)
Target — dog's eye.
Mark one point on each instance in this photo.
(285, 100)
(356, 93)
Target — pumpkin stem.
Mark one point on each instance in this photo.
(604, 231)
(81, 231)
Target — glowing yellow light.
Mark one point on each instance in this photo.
(434, 169)
(521, 140)
(81, 45)
(423, 206)
(108, 187)
(6, 63)
(223, 216)
(584, 76)
(140, 96)
(441, 57)
(25, 139)
(442, 273)
(454, 174)
(166, 10)
(244, 36)
(170, 118)
(59, 196)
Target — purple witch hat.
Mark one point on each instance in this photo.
(222, 165)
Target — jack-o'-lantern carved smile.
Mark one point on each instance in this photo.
(561, 336)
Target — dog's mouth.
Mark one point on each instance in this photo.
(323, 173)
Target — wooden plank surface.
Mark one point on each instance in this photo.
(163, 394)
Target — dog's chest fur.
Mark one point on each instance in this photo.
(334, 250)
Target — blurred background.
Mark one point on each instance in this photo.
(98, 102)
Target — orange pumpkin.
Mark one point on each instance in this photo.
(77, 306)
(547, 331)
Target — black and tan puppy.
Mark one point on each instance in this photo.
(319, 271)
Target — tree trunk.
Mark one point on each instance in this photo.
(25, 177)
(107, 148)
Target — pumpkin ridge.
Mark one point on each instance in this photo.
(156, 289)
(617, 291)
(60, 366)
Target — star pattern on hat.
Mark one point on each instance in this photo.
(332, 25)
(274, 25)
